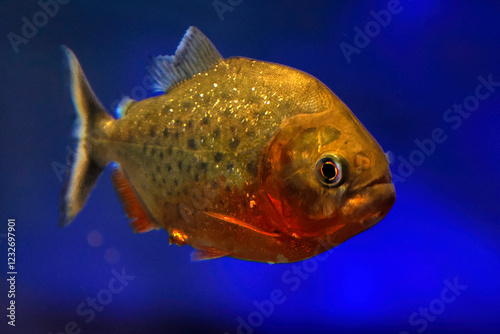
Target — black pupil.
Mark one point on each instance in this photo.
(329, 170)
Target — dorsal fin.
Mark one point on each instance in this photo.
(133, 207)
(195, 54)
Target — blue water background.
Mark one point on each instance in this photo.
(443, 229)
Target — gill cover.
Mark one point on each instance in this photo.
(303, 179)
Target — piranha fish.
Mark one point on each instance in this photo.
(237, 157)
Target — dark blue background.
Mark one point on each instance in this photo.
(444, 225)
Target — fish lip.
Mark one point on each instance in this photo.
(378, 194)
(384, 179)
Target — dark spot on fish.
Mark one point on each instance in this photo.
(186, 104)
(218, 156)
(328, 134)
(176, 135)
(153, 151)
(252, 168)
(161, 155)
(185, 191)
(191, 144)
(216, 133)
(188, 168)
(230, 166)
(158, 169)
(234, 142)
(189, 124)
(228, 188)
(144, 148)
(153, 177)
(152, 131)
(178, 122)
(169, 167)
(214, 185)
(179, 164)
(176, 182)
(203, 166)
(233, 129)
(165, 132)
(163, 180)
(196, 177)
(250, 133)
(169, 193)
(205, 120)
(170, 150)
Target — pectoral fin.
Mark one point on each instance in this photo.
(236, 221)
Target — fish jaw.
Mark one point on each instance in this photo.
(370, 204)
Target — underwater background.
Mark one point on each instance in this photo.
(422, 76)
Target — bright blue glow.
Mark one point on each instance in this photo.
(443, 227)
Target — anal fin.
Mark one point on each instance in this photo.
(132, 205)
(207, 254)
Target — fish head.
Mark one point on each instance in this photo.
(323, 172)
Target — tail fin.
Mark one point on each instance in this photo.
(91, 117)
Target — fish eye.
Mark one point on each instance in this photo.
(329, 170)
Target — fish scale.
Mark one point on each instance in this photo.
(238, 157)
(204, 117)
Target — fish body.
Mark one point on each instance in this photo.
(238, 157)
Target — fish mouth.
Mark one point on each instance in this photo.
(384, 179)
(371, 202)
(384, 198)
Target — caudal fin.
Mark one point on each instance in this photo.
(86, 167)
